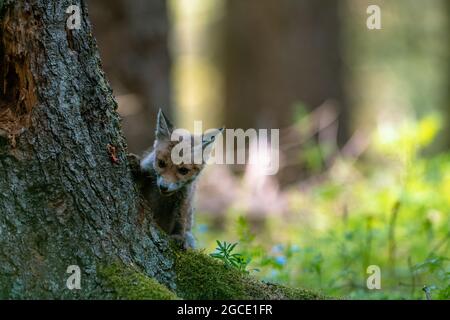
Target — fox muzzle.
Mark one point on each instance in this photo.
(167, 188)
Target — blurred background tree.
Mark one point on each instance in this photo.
(251, 64)
(133, 40)
(278, 54)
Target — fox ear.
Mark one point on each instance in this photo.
(210, 137)
(164, 127)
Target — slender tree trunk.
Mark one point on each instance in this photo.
(446, 111)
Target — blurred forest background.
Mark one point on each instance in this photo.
(363, 115)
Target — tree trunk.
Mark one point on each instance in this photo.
(67, 193)
(278, 54)
(64, 200)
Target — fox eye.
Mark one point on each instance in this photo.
(161, 163)
(183, 171)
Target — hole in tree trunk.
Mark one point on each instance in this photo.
(17, 89)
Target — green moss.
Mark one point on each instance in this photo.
(127, 282)
(198, 277)
(202, 277)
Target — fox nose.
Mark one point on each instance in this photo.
(163, 188)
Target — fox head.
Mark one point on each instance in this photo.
(171, 175)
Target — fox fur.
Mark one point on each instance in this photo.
(169, 188)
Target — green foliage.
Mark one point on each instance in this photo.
(390, 209)
(224, 252)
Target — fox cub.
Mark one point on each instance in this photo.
(168, 187)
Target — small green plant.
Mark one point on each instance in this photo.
(224, 252)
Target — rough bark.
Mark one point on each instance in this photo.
(67, 194)
(63, 199)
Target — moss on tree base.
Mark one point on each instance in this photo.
(127, 282)
(198, 277)
(202, 277)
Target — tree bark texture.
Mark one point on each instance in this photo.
(67, 196)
